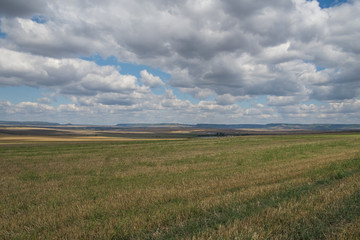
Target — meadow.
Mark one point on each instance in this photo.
(247, 187)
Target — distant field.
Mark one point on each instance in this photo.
(28, 139)
(249, 187)
(8, 140)
(22, 135)
(28, 134)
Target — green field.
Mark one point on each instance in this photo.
(251, 187)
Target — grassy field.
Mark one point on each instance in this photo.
(253, 187)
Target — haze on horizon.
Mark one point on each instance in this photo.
(202, 61)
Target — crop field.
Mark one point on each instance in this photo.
(248, 187)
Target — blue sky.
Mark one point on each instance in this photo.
(209, 62)
(330, 3)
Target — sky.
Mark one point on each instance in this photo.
(184, 61)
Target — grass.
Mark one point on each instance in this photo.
(254, 187)
(6, 140)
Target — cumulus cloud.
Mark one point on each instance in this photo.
(83, 77)
(282, 100)
(235, 47)
(150, 80)
(198, 93)
(291, 52)
(228, 99)
(50, 39)
(22, 8)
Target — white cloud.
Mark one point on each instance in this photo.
(22, 7)
(150, 80)
(112, 82)
(198, 93)
(281, 100)
(289, 51)
(67, 76)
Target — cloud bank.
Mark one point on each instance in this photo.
(229, 61)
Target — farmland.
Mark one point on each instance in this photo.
(293, 186)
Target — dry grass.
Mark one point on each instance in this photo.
(36, 139)
(278, 187)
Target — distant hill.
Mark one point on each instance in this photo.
(28, 123)
(285, 126)
(230, 126)
(152, 125)
(274, 126)
(318, 126)
(270, 126)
